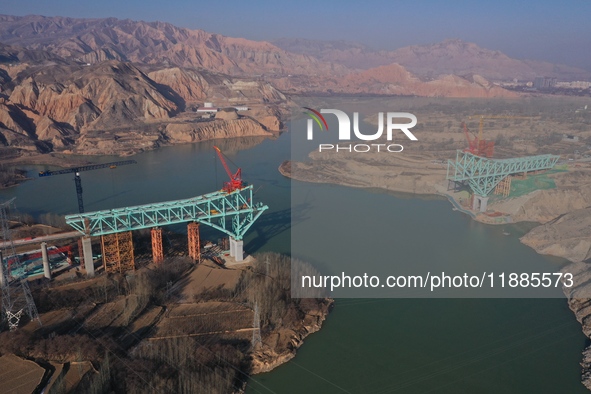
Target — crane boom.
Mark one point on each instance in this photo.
(87, 168)
(221, 156)
(235, 179)
(472, 142)
(78, 170)
(482, 117)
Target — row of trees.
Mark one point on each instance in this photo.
(209, 363)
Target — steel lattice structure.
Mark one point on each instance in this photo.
(211, 209)
(16, 295)
(484, 174)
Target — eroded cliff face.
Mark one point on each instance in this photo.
(198, 86)
(568, 236)
(115, 108)
(189, 85)
(56, 105)
(281, 345)
(201, 131)
(129, 142)
(93, 97)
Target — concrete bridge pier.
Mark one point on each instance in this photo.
(479, 203)
(44, 256)
(87, 253)
(237, 249)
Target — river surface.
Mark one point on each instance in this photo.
(365, 345)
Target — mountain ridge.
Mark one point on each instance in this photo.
(66, 81)
(451, 56)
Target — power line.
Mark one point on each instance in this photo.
(16, 296)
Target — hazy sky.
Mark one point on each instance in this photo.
(557, 31)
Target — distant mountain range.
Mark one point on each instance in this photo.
(451, 56)
(93, 40)
(63, 78)
(159, 43)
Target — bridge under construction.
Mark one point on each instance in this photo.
(231, 212)
(484, 174)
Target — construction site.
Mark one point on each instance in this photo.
(477, 178)
(122, 286)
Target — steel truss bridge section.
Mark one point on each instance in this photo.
(211, 209)
(484, 174)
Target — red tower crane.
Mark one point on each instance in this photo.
(235, 182)
(472, 142)
(477, 145)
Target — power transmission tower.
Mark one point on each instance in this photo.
(16, 296)
(256, 332)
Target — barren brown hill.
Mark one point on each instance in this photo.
(115, 107)
(116, 86)
(188, 56)
(460, 57)
(567, 236)
(56, 103)
(448, 57)
(396, 80)
(196, 86)
(94, 40)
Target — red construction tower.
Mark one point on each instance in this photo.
(477, 145)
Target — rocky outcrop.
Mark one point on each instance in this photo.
(105, 96)
(568, 236)
(227, 114)
(586, 364)
(199, 86)
(281, 345)
(201, 131)
(268, 116)
(188, 84)
(98, 109)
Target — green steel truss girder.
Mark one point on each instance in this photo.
(484, 174)
(210, 209)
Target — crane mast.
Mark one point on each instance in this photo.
(78, 180)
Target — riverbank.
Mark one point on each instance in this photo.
(153, 319)
(565, 220)
(12, 177)
(282, 344)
